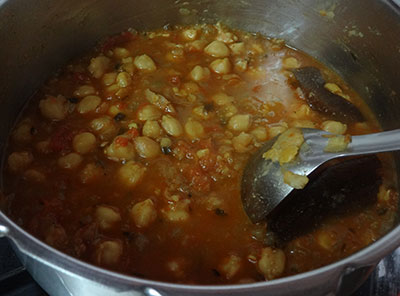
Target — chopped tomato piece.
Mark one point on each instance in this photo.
(61, 139)
(122, 141)
(133, 132)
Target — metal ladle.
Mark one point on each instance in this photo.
(263, 188)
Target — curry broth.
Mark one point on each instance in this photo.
(174, 214)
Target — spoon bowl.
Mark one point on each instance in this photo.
(263, 187)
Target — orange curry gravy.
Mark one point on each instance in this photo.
(131, 157)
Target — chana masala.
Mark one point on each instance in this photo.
(130, 158)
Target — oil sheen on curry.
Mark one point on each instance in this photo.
(130, 158)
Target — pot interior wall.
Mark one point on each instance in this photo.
(360, 41)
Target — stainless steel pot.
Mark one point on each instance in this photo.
(361, 42)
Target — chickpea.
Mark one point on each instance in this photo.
(327, 240)
(194, 129)
(230, 266)
(242, 142)
(190, 34)
(129, 67)
(272, 262)
(291, 63)
(90, 173)
(159, 101)
(54, 108)
(84, 90)
(213, 202)
(201, 112)
(288, 154)
(217, 49)
(124, 79)
(143, 213)
(301, 112)
(171, 125)
(221, 66)
(34, 176)
(149, 112)
(120, 52)
(43, 147)
(260, 133)
(109, 78)
(334, 127)
(70, 161)
(145, 63)
(200, 73)
(120, 149)
(338, 143)
(238, 48)
(384, 194)
(98, 66)
(109, 252)
(226, 36)
(22, 133)
(165, 142)
(107, 217)
(239, 122)
(177, 212)
(229, 110)
(131, 173)
(113, 88)
(104, 127)
(203, 153)
(294, 180)
(18, 161)
(196, 45)
(127, 60)
(286, 146)
(88, 104)
(103, 107)
(146, 147)
(241, 65)
(84, 142)
(191, 87)
(221, 99)
(114, 110)
(276, 130)
(333, 88)
(303, 123)
(151, 129)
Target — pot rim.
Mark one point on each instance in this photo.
(33, 247)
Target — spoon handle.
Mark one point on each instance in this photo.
(375, 143)
(365, 144)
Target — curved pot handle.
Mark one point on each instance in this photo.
(4, 230)
(152, 292)
(352, 278)
(397, 2)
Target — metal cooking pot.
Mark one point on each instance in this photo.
(360, 40)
